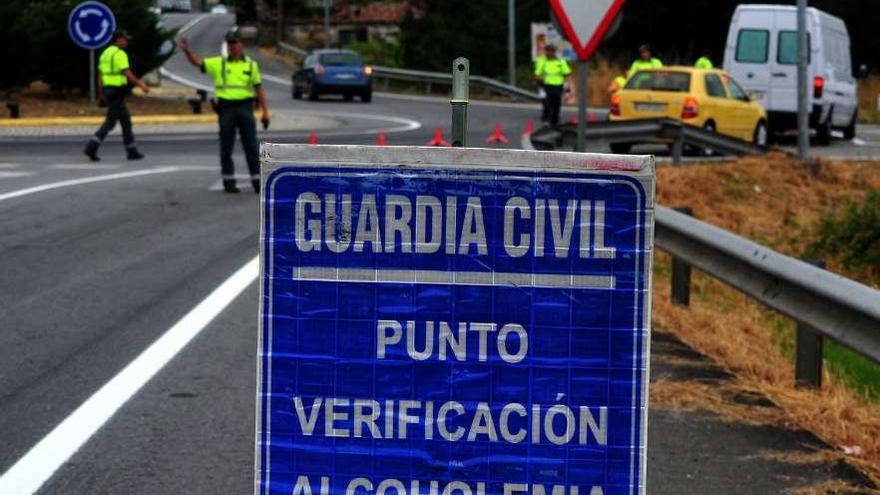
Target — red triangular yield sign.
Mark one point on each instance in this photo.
(585, 22)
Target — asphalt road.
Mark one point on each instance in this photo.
(100, 261)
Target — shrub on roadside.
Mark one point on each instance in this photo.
(378, 52)
(853, 237)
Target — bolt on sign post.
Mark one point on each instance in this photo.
(453, 321)
(585, 23)
(91, 25)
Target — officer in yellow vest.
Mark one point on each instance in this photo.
(645, 61)
(237, 83)
(551, 73)
(115, 75)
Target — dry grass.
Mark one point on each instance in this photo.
(38, 101)
(778, 203)
(869, 92)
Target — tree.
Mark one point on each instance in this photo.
(43, 50)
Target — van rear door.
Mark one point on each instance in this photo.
(749, 61)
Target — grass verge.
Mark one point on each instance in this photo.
(778, 203)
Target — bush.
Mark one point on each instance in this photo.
(378, 52)
(854, 237)
(43, 50)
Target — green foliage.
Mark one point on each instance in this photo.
(39, 48)
(378, 52)
(854, 236)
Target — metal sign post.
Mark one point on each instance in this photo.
(585, 22)
(453, 321)
(91, 25)
(461, 71)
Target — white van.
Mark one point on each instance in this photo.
(762, 53)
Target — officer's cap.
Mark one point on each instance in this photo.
(233, 35)
(645, 48)
(550, 47)
(121, 33)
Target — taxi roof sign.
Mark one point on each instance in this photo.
(585, 22)
(453, 321)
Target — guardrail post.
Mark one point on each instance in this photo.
(14, 109)
(678, 147)
(681, 272)
(808, 352)
(461, 69)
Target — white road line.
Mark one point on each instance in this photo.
(277, 80)
(85, 180)
(5, 174)
(31, 471)
(218, 186)
(858, 142)
(86, 166)
(8, 165)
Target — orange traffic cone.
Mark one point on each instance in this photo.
(438, 138)
(313, 139)
(530, 127)
(497, 136)
(382, 140)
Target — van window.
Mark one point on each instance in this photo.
(657, 80)
(787, 52)
(714, 86)
(752, 46)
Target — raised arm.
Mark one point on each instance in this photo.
(193, 57)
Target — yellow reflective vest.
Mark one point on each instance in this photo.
(111, 64)
(233, 79)
(552, 71)
(640, 64)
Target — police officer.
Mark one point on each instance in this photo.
(115, 75)
(237, 83)
(645, 61)
(551, 73)
(704, 62)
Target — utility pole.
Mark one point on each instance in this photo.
(803, 57)
(511, 42)
(327, 23)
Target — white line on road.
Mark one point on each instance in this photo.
(86, 180)
(8, 165)
(5, 174)
(31, 471)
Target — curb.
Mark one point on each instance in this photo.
(97, 120)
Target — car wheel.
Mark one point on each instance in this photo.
(314, 94)
(849, 132)
(367, 97)
(708, 127)
(297, 92)
(621, 148)
(823, 132)
(762, 135)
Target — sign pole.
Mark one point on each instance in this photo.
(582, 107)
(803, 118)
(511, 42)
(92, 95)
(461, 71)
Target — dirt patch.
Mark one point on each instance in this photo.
(778, 203)
(38, 101)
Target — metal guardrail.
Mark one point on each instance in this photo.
(829, 304)
(634, 131)
(428, 77)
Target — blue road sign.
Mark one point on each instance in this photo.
(453, 322)
(91, 24)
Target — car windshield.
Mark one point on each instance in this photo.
(341, 59)
(679, 82)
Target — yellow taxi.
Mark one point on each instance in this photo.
(707, 98)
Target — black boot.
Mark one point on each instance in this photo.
(256, 184)
(134, 154)
(230, 187)
(91, 151)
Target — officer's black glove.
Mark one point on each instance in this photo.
(265, 123)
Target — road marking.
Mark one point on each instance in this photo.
(8, 165)
(86, 166)
(39, 464)
(277, 80)
(5, 174)
(858, 142)
(86, 180)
